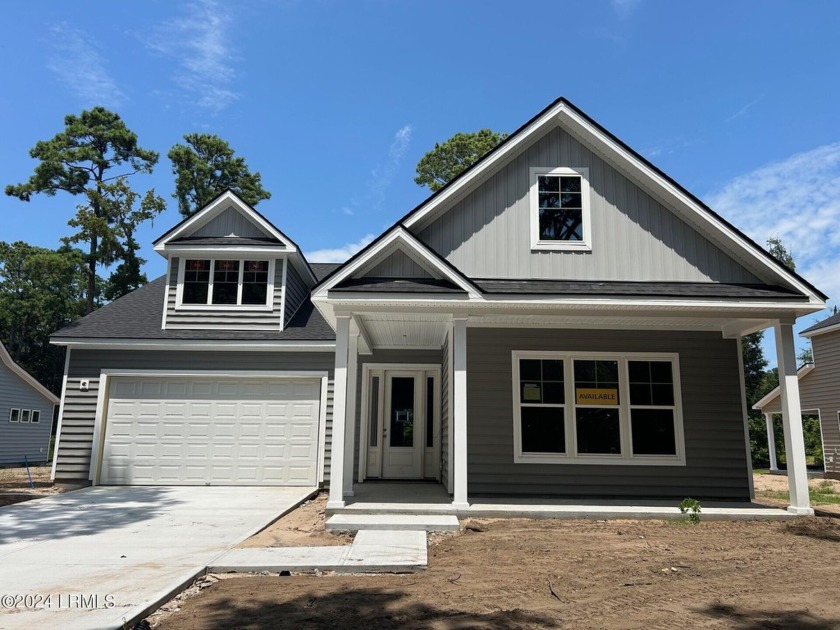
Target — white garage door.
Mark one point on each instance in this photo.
(211, 431)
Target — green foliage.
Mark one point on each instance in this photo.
(780, 252)
(82, 160)
(41, 290)
(448, 160)
(691, 507)
(806, 355)
(205, 167)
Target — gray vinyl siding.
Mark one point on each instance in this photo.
(487, 233)
(820, 390)
(235, 319)
(402, 357)
(77, 424)
(397, 265)
(716, 463)
(444, 413)
(230, 221)
(18, 440)
(296, 292)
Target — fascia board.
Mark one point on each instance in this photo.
(820, 331)
(25, 376)
(196, 344)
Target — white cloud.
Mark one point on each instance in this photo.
(198, 42)
(625, 7)
(382, 176)
(745, 108)
(77, 63)
(797, 200)
(339, 254)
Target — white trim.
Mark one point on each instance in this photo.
(322, 428)
(820, 331)
(60, 412)
(17, 417)
(283, 291)
(398, 234)
(255, 345)
(166, 293)
(25, 376)
(450, 471)
(342, 334)
(773, 394)
(350, 412)
(745, 415)
(268, 307)
(565, 114)
(585, 244)
(206, 251)
(215, 208)
(32, 416)
(102, 399)
(571, 456)
(460, 494)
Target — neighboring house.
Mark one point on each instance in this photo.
(26, 415)
(560, 320)
(819, 393)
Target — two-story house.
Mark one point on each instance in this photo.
(562, 319)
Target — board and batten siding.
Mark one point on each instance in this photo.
(819, 390)
(296, 292)
(77, 424)
(234, 318)
(229, 222)
(716, 459)
(23, 440)
(634, 237)
(401, 357)
(396, 265)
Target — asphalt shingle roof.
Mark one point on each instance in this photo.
(138, 316)
(398, 285)
(830, 321)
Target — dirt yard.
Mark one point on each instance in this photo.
(773, 490)
(14, 484)
(553, 574)
(303, 527)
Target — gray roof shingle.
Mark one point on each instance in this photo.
(398, 285)
(830, 321)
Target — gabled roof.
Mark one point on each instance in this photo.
(827, 325)
(801, 373)
(690, 207)
(181, 234)
(25, 376)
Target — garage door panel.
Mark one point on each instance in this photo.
(184, 431)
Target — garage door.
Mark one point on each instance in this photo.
(211, 431)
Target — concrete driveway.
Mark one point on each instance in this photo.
(101, 557)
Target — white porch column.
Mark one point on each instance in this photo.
(792, 420)
(350, 414)
(771, 441)
(459, 433)
(342, 340)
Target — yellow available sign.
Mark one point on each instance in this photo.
(596, 396)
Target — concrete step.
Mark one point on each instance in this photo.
(394, 522)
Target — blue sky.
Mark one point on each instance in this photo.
(335, 102)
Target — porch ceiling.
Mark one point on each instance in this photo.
(403, 330)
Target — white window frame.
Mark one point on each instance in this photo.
(25, 413)
(12, 412)
(585, 244)
(269, 296)
(35, 416)
(571, 456)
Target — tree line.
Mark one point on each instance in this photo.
(96, 159)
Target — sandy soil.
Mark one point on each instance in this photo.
(572, 574)
(303, 527)
(14, 481)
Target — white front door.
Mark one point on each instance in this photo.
(403, 444)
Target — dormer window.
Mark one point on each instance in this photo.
(225, 282)
(560, 209)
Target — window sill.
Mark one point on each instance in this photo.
(223, 307)
(597, 460)
(561, 246)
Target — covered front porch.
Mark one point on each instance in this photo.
(477, 473)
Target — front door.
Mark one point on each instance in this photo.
(403, 444)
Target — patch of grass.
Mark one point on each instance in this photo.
(821, 494)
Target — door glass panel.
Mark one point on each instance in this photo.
(402, 412)
(374, 407)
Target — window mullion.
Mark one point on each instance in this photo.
(624, 408)
(210, 283)
(239, 282)
(569, 408)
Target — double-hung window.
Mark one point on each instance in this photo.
(597, 408)
(225, 282)
(560, 209)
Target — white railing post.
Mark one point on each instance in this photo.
(771, 441)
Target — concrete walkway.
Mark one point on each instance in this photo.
(101, 557)
(380, 551)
